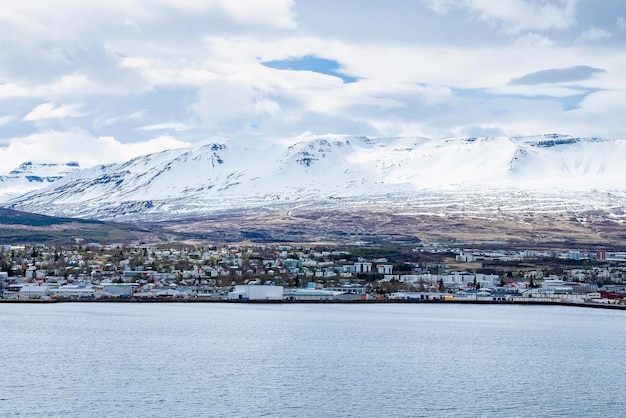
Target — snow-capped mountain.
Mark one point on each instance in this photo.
(34, 175)
(404, 174)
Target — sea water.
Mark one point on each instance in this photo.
(310, 360)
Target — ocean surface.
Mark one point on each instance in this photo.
(310, 360)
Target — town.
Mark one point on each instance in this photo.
(264, 272)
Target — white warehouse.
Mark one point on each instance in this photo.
(256, 292)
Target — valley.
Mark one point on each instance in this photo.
(362, 227)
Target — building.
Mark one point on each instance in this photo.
(465, 257)
(119, 289)
(384, 268)
(311, 294)
(74, 292)
(256, 292)
(356, 290)
(363, 267)
(30, 291)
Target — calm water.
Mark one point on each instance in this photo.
(196, 360)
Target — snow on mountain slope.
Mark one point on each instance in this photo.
(315, 169)
(32, 176)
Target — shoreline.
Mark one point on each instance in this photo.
(324, 302)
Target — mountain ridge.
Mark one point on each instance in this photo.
(31, 175)
(334, 170)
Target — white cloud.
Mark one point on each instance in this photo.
(120, 152)
(593, 35)
(70, 85)
(534, 40)
(9, 90)
(234, 104)
(78, 145)
(112, 74)
(514, 16)
(6, 119)
(598, 114)
(621, 22)
(38, 16)
(101, 122)
(172, 126)
(272, 13)
(160, 73)
(51, 111)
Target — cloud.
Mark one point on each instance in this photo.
(102, 122)
(557, 75)
(593, 35)
(111, 76)
(515, 16)
(534, 39)
(235, 105)
(70, 85)
(51, 111)
(126, 151)
(167, 126)
(114, 47)
(142, 14)
(276, 13)
(6, 119)
(597, 114)
(621, 22)
(79, 145)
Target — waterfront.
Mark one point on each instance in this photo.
(148, 360)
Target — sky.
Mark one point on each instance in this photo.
(105, 81)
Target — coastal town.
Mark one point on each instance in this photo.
(264, 272)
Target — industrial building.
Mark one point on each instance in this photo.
(256, 292)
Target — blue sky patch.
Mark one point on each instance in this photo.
(311, 63)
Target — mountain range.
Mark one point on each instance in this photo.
(31, 176)
(540, 174)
